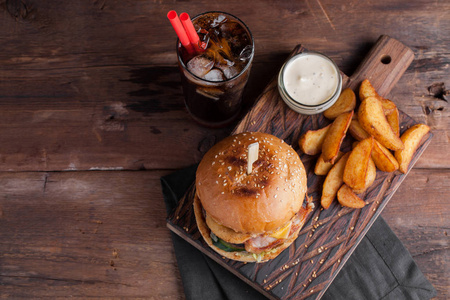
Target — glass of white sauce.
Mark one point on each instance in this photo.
(310, 82)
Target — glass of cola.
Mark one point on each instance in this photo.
(214, 79)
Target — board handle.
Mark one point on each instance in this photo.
(383, 66)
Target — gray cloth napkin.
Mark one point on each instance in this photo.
(379, 268)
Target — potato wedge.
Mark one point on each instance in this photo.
(357, 131)
(367, 90)
(333, 181)
(383, 158)
(345, 103)
(370, 177)
(348, 198)
(311, 141)
(411, 138)
(387, 105)
(393, 120)
(322, 167)
(335, 136)
(373, 120)
(357, 164)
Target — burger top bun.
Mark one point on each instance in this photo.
(252, 203)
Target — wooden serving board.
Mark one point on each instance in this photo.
(329, 237)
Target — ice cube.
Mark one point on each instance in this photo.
(229, 62)
(229, 71)
(214, 75)
(200, 65)
(235, 34)
(218, 21)
(210, 92)
(246, 53)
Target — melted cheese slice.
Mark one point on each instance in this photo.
(283, 232)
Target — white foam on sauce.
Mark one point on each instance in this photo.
(310, 79)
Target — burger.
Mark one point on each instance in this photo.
(245, 211)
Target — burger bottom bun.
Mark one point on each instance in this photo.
(243, 256)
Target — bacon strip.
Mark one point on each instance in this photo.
(264, 243)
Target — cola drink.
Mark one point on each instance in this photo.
(213, 80)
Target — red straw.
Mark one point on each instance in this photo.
(190, 30)
(181, 33)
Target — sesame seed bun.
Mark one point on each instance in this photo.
(251, 203)
(239, 207)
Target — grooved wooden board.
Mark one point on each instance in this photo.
(329, 237)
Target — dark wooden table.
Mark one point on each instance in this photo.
(92, 115)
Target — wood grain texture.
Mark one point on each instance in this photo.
(94, 85)
(109, 69)
(85, 234)
(330, 236)
(424, 231)
(69, 240)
